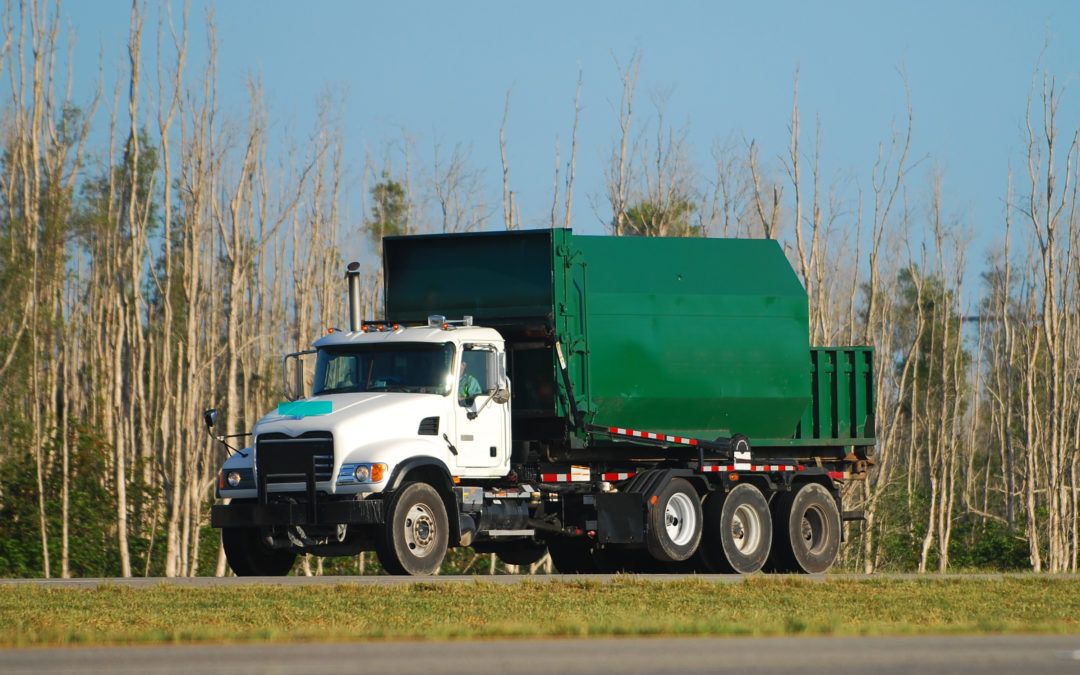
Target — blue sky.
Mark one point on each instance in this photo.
(441, 71)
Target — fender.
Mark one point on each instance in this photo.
(648, 483)
(431, 468)
(397, 477)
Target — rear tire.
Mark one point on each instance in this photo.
(416, 533)
(250, 556)
(738, 531)
(673, 528)
(808, 530)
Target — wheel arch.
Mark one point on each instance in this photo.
(434, 472)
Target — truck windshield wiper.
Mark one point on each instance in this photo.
(337, 390)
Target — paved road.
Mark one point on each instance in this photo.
(204, 582)
(1030, 655)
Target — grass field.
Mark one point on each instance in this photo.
(31, 615)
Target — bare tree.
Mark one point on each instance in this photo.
(619, 174)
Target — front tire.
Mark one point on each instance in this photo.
(250, 556)
(416, 533)
(808, 524)
(673, 529)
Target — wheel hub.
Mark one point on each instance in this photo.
(814, 530)
(679, 519)
(746, 529)
(737, 529)
(420, 532)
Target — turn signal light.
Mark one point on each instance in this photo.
(377, 471)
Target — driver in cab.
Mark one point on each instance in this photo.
(468, 386)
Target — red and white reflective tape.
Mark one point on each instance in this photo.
(839, 475)
(583, 478)
(719, 468)
(649, 435)
(564, 478)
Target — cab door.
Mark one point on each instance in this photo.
(482, 417)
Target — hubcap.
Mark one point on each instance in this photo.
(746, 529)
(680, 520)
(420, 532)
(812, 528)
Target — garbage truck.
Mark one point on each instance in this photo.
(621, 403)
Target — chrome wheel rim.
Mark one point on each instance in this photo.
(680, 519)
(746, 529)
(420, 530)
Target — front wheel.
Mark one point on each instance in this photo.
(416, 532)
(250, 556)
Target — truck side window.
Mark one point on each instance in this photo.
(476, 373)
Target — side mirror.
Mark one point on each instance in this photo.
(501, 396)
(209, 417)
(294, 378)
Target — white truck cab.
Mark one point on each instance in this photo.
(388, 394)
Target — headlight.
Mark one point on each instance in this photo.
(233, 478)
(351, 474)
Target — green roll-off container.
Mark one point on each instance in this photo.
(695, 337)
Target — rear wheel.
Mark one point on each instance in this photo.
(250, 556)
(416, 533)
(808, 524)
(674, 522)
(738, 531)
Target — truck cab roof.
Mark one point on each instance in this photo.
(433, 334)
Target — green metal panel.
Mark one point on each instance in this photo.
(696, 337)
(842, 412)
(841, 391)
(699, 337)
(485, 275)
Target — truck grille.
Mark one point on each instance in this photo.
(287, 459)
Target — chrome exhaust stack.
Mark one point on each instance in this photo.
(352, 275)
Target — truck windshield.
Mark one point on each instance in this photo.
(416, 368)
